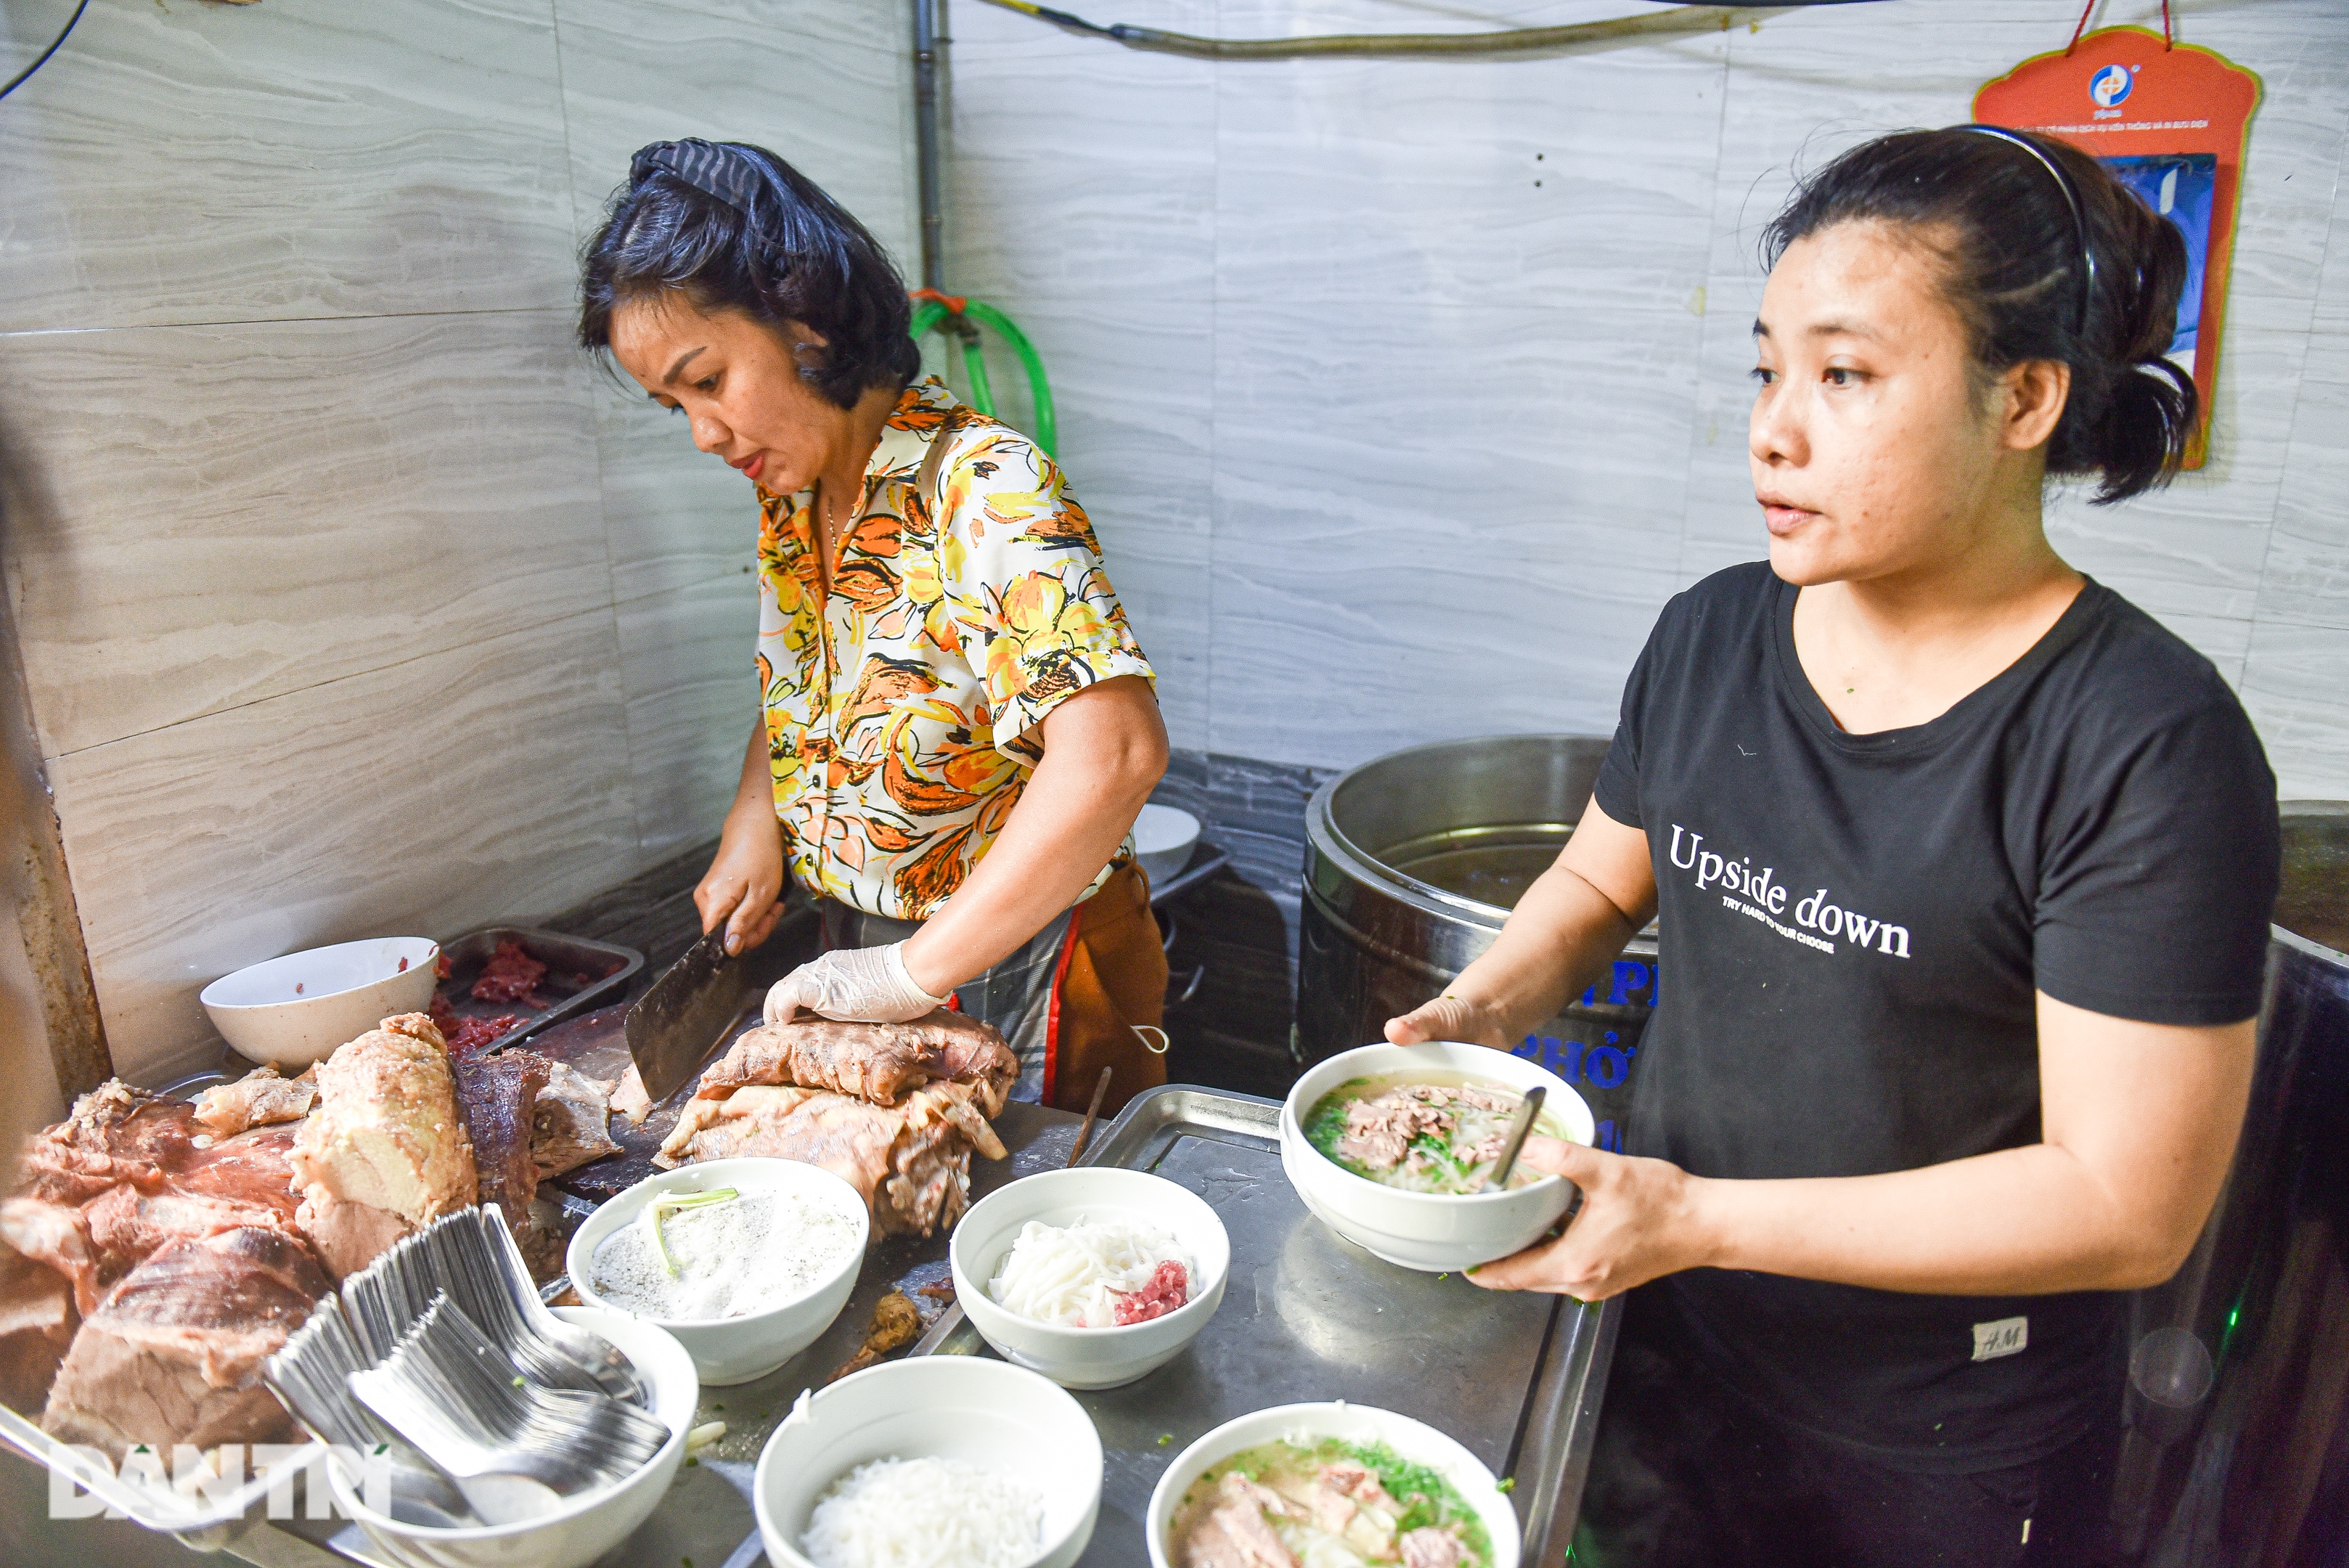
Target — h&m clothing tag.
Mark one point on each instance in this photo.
(2004, 1337)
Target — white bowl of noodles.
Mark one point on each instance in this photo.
(1437, 1232)
(1291, 1444)
(1010, 1307)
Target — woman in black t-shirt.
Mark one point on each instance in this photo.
(1963, 866)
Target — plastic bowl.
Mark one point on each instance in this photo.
(584, 1528)
(729, 1350)
(1414, 1441)
(296, 1010)
(1088, 1358)
(1163, 836)
(988, 1413)
(1433, 1232)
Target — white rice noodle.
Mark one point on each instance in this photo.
(926, 1513)
(1072, 1274)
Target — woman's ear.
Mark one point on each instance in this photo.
(2033, 394)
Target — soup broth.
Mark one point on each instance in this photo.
(1421, 1131)
(1326, 1504)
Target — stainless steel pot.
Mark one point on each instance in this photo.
(1414, 861)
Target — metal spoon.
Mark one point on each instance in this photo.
(1527, 1110)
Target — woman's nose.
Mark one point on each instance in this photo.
(710, 435)
(1774, 431)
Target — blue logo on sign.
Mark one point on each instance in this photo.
(2108, 87)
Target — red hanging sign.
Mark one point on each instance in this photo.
(2170, 120)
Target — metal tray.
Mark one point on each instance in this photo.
(1516, 1377)
(579, 973)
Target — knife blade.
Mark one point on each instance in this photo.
(686, 1014)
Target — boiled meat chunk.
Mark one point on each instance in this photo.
(875, 1061)
(912, 1162)
(261, 1098)
(386, 1135)
(570, 1125)
(37, 1325)
(175, 1353)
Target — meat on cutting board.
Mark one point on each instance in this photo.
(37, 1325)
(168, 1179)
(570, 1125)
(499, 1097)
(175, 1353)
(875, 1061)
(912, 1161)
(385, 1152)
(263, 1097)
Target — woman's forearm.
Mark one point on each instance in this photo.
(1104, 751)
(1558, 940)
(2019, 1222)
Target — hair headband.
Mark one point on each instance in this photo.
(713, 168)
(2070, 200)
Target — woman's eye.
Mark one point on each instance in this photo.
(1843, 376)
(707, 385)
(1765, 376)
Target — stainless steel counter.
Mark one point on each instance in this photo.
(1516, 1378)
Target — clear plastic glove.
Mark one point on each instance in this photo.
(851, 986)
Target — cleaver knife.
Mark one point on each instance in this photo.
(686, 1014)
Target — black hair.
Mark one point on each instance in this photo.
(782, 251)
(2016, 264)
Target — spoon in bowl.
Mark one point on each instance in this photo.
(1527, 1110)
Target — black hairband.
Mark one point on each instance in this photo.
(2070, 200)
(713, 168)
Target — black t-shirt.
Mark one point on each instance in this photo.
(1852, 930)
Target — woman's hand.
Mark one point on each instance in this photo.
(1452, 1017)
(1640, 1220)
(744, 884)
(853, 985)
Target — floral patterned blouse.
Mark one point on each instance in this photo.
(903, 705)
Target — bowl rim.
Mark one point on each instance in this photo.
(913, 1366)
(354, 1503)
(643, 1192)
(1207, 1294)
(1153, 1530)
(1292, 1126)
(204, 997)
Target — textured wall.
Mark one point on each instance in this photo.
(1405, 392)
(351, 598)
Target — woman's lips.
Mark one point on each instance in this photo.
(1783, 519)
(753, 466)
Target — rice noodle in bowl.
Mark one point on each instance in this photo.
(1094, 1273)
(927, 1512)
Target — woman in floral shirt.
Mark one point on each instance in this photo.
(957, 726)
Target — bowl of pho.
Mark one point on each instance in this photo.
(1093, 1276)
(938, 1461)
(1393, 1147)
(1335, 1485)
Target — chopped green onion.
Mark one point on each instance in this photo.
(1506, 1483)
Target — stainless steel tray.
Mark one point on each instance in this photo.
(1514, 1378)
(579, 973)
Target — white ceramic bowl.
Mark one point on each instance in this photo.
(1088, 1358)
(1163, 836)
(988, 1413)
(582, 1529)
(1414, 1441)
(729, 1350)
(345, 991)
(1436, 1232)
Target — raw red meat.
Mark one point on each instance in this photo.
(465, 1036)
(1169, 1288)
(510, 975)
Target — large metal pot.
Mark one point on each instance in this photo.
(1412, 863)
(2238, 1401)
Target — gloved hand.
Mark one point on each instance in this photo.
(851, 986)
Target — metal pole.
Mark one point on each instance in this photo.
(925, 143)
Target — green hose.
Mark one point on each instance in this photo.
(930, 316)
